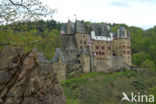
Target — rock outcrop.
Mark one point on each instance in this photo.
(24, 81)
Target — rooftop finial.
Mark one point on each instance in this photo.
(68, 19)
(75, 17)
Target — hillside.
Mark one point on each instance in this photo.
(99, 88)
(91, 88)
(45, 36)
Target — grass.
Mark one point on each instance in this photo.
(99, 88)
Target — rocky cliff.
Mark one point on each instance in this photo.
(24, 81)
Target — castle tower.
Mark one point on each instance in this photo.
(101, 47)
(122, 46)
(81, 35)
(67, 31)
(58, 65)
(85, 60)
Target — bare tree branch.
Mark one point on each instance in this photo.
(22, 10)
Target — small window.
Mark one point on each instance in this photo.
(128, 52)
(84, 36)
(97, 47)
(81, 41)
(103, 47)
(102, 53)
(109, 48)
(84, 42)
(123, 46)
(124, 52)
(99, 53)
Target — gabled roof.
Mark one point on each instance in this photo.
(42, 59)
(83, 51)
(80, 27)
(121, 32)
(100, 29)
(68, 28)
(58, 54)
(71, 43)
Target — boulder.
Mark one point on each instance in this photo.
(24, 81)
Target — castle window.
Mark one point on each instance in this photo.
(81, 41)
(102, 47)
(84, 42)
(84, 36)
(99, 53)
(103, 58)
(128, 52)
(103, 53)
(124, 52)
(100, 58)
(123, 46)
(109, 48)
(97, 47)
(128, 47)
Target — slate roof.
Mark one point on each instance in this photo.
(83, 51)
(42, 59)
(80, 27)
(100, 29)
(58, 54)
(121, 32)
(71, 43)
(68, 28)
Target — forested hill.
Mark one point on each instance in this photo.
(45, 36)
(143, 44)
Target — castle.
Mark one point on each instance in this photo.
(95, 48)
(92, 48)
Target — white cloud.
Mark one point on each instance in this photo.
(132, 12)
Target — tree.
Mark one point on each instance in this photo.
(148, 64)
(22, 10)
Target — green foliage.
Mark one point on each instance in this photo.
(148, 64)
(153, 90)
(143, 45)
(139, 58)
(99, 88)
(71, 101)
(40, 34)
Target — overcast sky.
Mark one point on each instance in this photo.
(141, 13)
